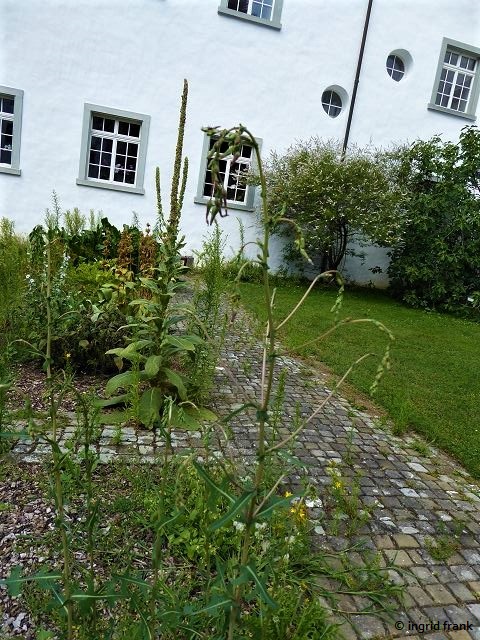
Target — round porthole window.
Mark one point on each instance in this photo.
(331, 103)
(395, 67)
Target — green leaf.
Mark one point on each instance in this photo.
(211, 483)
(130, 350)
(237, 506)
(261, 587)
(83, 343)
(152, 365)
(15, 581)
(110, 402)
(123, 380)
(217, 602)
(272, 505)
(149, 406)
(183, 343)
(176, 381)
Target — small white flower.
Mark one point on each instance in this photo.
(260, 525)
(239, 526)
(313, 503)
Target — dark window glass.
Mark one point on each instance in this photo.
(96, 143)
(106, 159)
(97, 123)
(107, 145)
(7, 105)
(109, 125)
(95, 157)
(104, 173)
(5, 157)
(131, 163)
(331, 103)
(119, 175)
(132, 149)
(120, 161)
(6, 142)
(134, 130)
(123, 128)
(93, 171)
(122, 147)
(130, 177)
(7, 127)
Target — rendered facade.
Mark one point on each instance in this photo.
(90, 91)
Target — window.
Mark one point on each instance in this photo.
(11, 103)
(113, 150)
(266, 12)
(331, 103)
(395, 67)
(457, 81)
(239, 195)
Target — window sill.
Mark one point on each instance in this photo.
(245, 16)
(230, 205)
(11, 171)
(452, 112)
(107, 185)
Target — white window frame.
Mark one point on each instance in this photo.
(273, 21)
(91, 110)
(13, 167)
(248, 203)
(459, 48)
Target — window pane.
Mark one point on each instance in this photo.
(96, 143)
(131, 163)
(6, 142)
(453, 58)
(119, 175)
(122, 147)
(93, 171)
(95, 157)
(7, 105)
(130, 177)
(104, 173)
(246, 151)
(5, 157)
(107, 145)
(332, 103)
(97, 123)
(7, 127)
(106, 159)
(134, 130)
(132, 149)
(120, 161)
(109, 125)
(123, 128)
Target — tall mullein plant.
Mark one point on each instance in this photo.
(258, 501)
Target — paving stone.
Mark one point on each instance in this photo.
(421, 596)
(405, 541)
(461, 592)
(439, 594)
(475, 609)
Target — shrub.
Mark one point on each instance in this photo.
(333, 198)
(437, 263)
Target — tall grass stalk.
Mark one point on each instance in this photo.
(235, 138)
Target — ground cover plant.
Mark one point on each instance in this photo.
(194, 546)
(433, 386)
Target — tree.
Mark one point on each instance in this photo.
(333, 198)
(437, 262)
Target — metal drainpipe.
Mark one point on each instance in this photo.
(357, 77)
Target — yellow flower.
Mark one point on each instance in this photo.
(68, 355)
(288, 494)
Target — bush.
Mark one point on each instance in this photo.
(333, 198)
(437, 263)
(13, 269)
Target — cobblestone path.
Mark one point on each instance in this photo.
(418, 504)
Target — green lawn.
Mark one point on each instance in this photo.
(433, 386)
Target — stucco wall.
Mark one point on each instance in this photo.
(134, 54)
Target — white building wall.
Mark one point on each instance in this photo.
(134, 54)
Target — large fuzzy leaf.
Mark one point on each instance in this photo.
(176, 381)
(123, 380)
(110, 402)
(152, 366)
(149, 406)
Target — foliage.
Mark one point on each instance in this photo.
(13, 268)
(437, 263)
(334, 198)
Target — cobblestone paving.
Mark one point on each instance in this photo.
(416, 501)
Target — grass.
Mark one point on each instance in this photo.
(433, 386)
